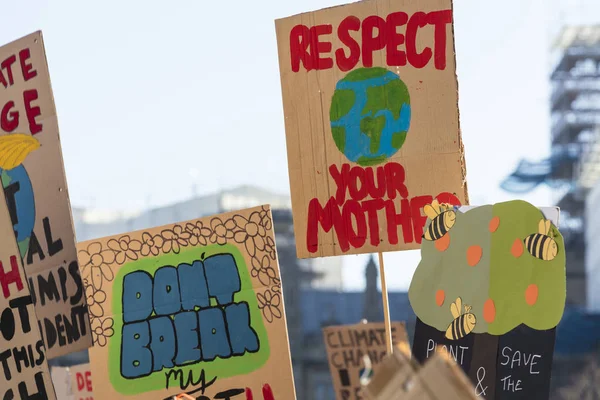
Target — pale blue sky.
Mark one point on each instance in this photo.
(145, 92)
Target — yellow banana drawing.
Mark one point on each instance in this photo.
(14, 148)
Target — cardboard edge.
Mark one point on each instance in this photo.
(461, 145)
(306, 13)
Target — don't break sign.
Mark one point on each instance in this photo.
(371, 115)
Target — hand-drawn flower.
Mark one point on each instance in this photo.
(102, 330)
(269, 304)
(125, 248)
(270, 248)
(151, 244)
(96, 262)
(198, 233)
(277, 285)
(174, 239)
(262, 270)
(94, 301)
(265, 219)
(252, 233)
(221, 231)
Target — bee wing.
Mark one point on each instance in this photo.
(547, 227)
(436, 206)
(455, 308)
(542, 226)
(430, 211)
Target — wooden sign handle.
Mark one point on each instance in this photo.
(386, 307)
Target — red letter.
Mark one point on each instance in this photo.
(32, 112)
(393, 220)
(249, 394)
(299, 41)
(13, 276)
(267, 392)
(88, 381)
(320, 47)
(7, 65)
(416, 205)
(357, 237)
(395, 57)
(9, 120)
(375, 191)
(347, 63)
(371, 43)
(26, 69)
(395, 180)
(448, 198)
(416, 59)
(371, 207)
(357, 175)
(80, 382)
(440, 19)
(327, 217)
(341, 180)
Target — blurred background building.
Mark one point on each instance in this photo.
(313, 288)
(573, 171)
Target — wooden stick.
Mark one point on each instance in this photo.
(386, 307)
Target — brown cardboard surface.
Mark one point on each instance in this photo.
(400, 378)
(30, 155)
(347, 344)
(24, 362)
(328, 130)
(150, 290)
(81, 382)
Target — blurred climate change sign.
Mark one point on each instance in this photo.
(371, 116)
(33, 178)
(194, 307)
(346, 347)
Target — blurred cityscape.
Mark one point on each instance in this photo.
(313, 289)
(573, 171)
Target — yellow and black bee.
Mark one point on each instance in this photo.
(463, 323)
(541, 245)
(442, 218)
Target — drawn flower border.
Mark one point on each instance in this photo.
(100, 261)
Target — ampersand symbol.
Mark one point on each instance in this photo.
(479, 389)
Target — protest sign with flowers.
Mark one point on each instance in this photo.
(193, 307)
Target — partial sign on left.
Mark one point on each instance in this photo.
(33, 179)
(25, 373)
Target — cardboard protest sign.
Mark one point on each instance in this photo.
(346, 346)
(193, 307)
(33, 178)
(491, 292)
(25, 373)
(400, 377)
(370, 99)
(81, 382)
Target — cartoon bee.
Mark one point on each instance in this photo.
(541, 245)
(442, 218)
(463, 323)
